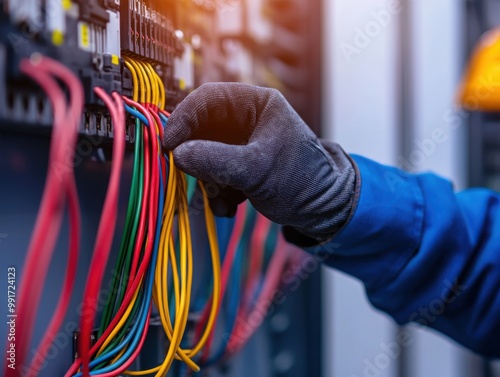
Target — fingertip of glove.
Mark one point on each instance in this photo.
(175, 132)
(182, 154)
(168, 141)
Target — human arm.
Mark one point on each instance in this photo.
(424, 253)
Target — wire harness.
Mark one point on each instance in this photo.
(153, 275)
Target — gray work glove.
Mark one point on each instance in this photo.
(252, 144)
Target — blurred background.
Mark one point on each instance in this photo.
(391, 73)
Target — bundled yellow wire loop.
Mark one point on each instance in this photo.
(147, 85)
(151, 74)
(133, 66)
(161, 86)
(182, 277)
(135, 80)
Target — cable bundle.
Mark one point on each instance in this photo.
(155, 262)
(148, 259)
(258, 245)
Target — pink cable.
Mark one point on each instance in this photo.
(49, 218)
(75, 220)
(154, 113)
(149, 246)
(134, 355)
(69, 280)
(257, 249)
(139, 243)
(240, 336)
(106, 229)
(166, 113)
(232, 247)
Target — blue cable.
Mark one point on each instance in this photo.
(231, 301)
(231, 305)
(105, 357)
(164, 119)
(136, 114)
(225, 228)
(147, 297)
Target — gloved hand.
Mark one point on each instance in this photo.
(250, 142)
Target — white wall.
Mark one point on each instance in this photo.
(360, 112)
(438, 52)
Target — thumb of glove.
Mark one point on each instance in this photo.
(223, 164)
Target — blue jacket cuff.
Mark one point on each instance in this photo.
(385, 228)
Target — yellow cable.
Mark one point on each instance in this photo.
(147, 88)
(151, 87)
(182, 275)
(122, 321)
(142, 84)
(161, 87)
(176, 281)
(135, 81)
(141, 372)
(214, 251)
(166, 229)
(186, 246)
(163, 96)
(120, 354)
(154, 84)
(181, 318)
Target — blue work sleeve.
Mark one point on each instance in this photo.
(425, 253)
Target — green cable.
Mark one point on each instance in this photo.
(126, 250)
(192, 183)
(246, 236)
(120, 293)
(123, 331)
(133, 234)
(132, 212)
(270, 244)
(124, 242)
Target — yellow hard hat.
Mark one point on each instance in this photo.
(480, 89)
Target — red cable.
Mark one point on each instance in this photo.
(154, 112)
(134, 355)
(240, 336)
(140, 236)
(49, 217)
(166, 113)
(148, 250)
(75, 222)
(139, 243)
(227, 266)
(257, 249)
(106, 229)
(69, 280)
